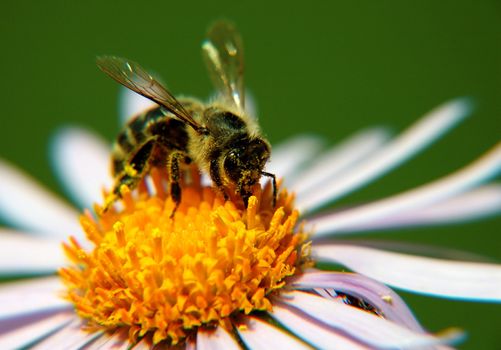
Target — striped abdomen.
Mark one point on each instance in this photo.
(147, 140)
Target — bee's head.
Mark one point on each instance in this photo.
(244, 163)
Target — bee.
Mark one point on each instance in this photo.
(219, 137)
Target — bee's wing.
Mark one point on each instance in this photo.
(223, 53)
(134, 77)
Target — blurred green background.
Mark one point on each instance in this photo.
(329, 68)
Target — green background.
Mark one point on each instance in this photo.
(328, 68)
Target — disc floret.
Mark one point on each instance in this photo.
(164, 276)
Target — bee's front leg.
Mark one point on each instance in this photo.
(173, 165)
(133, 171)
(215, 176)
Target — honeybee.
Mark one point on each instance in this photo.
(220, 137)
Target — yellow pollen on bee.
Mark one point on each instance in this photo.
(130, 171)
(164, 277)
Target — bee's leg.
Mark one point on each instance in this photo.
(133, 172)
(216, 177)
(173, 164)
(139, 164)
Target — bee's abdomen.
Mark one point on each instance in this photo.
(169, 134)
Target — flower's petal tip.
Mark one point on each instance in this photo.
(462, 106)
(468, 102)
(80, 159)
(451, 112)
(452, 336)
(58, 136)
(131, 103)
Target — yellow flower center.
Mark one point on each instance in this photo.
(164, 277)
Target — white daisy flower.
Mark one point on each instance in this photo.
(219, 276)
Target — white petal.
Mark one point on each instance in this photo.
(287, 156)
(28, 333)
(260, 335)
(131, 104)
(313, 332)
(372, 330)
(339, 159)
(82, 161)
(72, 336)
(24, 203)
(143, 344)
(21, 254)
(118, 340)
(451, 279)
(359, 286)
(416, 138)
(473, 205)
(191, 344)
(35, 295)
(484, 168)
(215, 340)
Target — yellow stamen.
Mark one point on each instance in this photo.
(163, 277)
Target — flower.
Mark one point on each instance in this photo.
(260, 288)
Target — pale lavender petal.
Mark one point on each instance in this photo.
(292, 153)
(14, 322)
(26, 204)
(313, 332)
(31, 296)
(22, 254)
(260, 335)
(71, 336)
(82, 161)
(417, 137)
(481, 170)
(215, 340)
(29, 332)
(450, 279)
(412, 248)
(131, 104)
(111, 341)
(143, 344)
(339, 159)
(371, 291)
(191, 344)
(361, 325)
(477, 204)
(101, 342)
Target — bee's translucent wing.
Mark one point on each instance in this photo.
(134, 77)
(223, 53)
